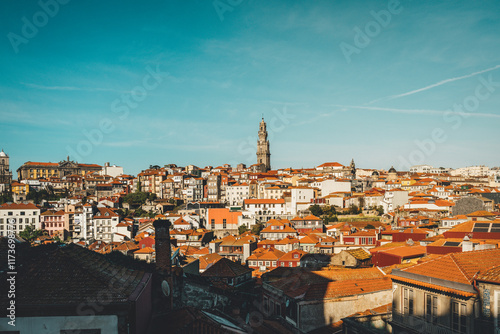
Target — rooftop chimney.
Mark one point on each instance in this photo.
(163, 251)
(163, 264)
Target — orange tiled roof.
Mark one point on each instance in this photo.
(490, 275)
(286, 229)
(32, 163)
(432, 286)
(269, 255)
(481, 213)
(145, 250)
(458, 267)
(205, 260)
(20, 206)
(311, 217)
(289, 256)
(406, 251)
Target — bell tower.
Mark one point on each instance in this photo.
(263, 153)
(5, 173)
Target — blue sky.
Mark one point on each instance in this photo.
(223, 64)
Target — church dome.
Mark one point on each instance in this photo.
(375, 173)
(3, 154)
(392, 170)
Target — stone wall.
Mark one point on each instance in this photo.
(199, 295)
(467, 205)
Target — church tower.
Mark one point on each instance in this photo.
(5, 173)
(353, 170)
(263, 153)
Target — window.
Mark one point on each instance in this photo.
(23, 213)
(10, 213)
(291, 310)
(431, 308)
(224, 223)
(407, 301)
(458, 317)
(212, 224)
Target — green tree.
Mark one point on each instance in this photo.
(44, 194)
(330, 219)
(353, 209)
(329, 210)
(316, 210)
(140, 213)
(380, 210)
(30, 233)
(257, 228)
(6, 197)
(138, 198)
(242, 229)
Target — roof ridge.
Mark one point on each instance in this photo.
(459, 267)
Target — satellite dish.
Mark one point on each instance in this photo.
(165, 288)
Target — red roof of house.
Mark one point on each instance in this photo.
(458, 267)
(18, 206)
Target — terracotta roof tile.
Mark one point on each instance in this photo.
(458, 267)
(226, 268)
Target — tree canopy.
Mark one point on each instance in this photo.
(139, 198)
(44, 194)
(6, 197)
(30, 233)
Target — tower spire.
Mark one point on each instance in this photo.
(263, 152)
